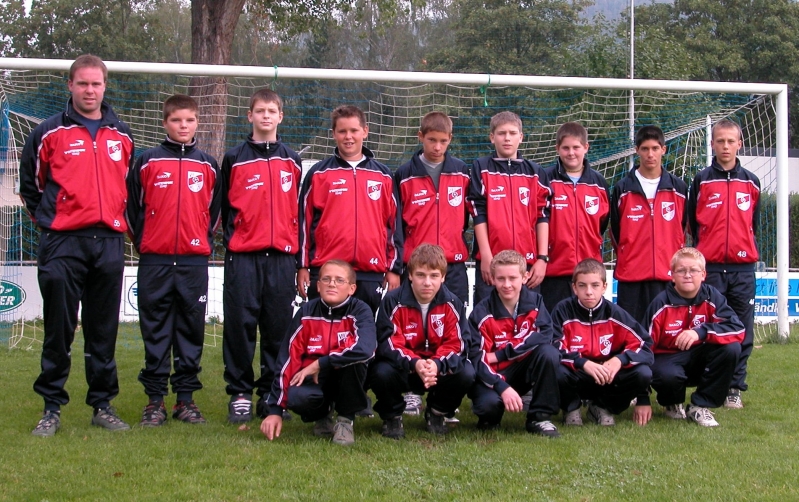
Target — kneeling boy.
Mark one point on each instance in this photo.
(422, 345)
(514, 333)
(696, 340)
(605, 352)
(323, 359)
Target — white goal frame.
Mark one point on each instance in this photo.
(779, 91)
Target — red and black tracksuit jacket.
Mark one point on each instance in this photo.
(511, 337)
(175, 199)
(434, 216)
(260, 210)
(708, 314)
(723, 211)
(334, 336)
(598, 334)
(578, 218)
(69, 181)
(511, 196)
(645, 238)
(403, 339)
(349, 213)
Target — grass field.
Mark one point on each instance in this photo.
(754, 455)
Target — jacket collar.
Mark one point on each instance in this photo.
(561, 171)
(107, 115)
(366, 153)
(337, 311)
(527, 302)
(176, 147)
(674, 298)
(265, 147)
(406, 296)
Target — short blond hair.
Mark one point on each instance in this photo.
(343, 264)
(508, 257)
(726, 124)
(688, 252)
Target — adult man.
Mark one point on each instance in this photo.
(72, 181)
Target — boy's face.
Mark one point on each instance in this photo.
(687, 276)
(509, 281)
(726, 143)
(572, 153)
(350, 135)
(425, 283)
(333, 285)
(264, 117)
(87, 88)
(651, 153)
(181, 125)
(506, 139)
(434, 145)
(589, 289)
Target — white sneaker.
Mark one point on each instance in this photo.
(573, 418)
(675, 411)
(734, 400)
(702, 416)
(600, 415)
(413, 404)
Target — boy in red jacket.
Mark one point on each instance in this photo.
(173, 209)
(696, 339)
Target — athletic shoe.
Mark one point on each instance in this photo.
(343, 433)
(154, 414)
(734, 400)
(542, 428)
(286, 416)
(48, 424)
(239, 410)
(323, 427)
(435, 422)
(573, 418)
(366, 412)
(600, 416)
(485, 425)
(187, 411)
(413, 404)
(393, 428)
(260, 407)
(702, 416)
(675, 411)
(107, 418)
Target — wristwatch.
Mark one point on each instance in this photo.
(543, 258)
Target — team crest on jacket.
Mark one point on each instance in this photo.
(342, 337)
(524, 195)
(114, 150)
(374, 188)
(743, 200)
(195, 181)
(436, 320)
(285, 180)
(667, 210)
(454, 196)
(605, 344)
(698, 321)
(523, 330)
(591, 205)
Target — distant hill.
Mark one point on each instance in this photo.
(612, 9)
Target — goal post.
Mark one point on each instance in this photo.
(478, 90)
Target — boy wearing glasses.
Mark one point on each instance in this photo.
(323, 359)
(696, 339)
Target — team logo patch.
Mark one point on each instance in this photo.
(114, 149)
(436, 320)
(523, 330)
(454, 196)
(195, 181)
(591, 205)
(605, 344)
(668, 210)
(743, 200)
(524, 195)
(342, 337)
(698, 321)
(285, 180)
(374, 188)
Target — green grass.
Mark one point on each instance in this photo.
(754, 455)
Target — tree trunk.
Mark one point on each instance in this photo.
(213, 24)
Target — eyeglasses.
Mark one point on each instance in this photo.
(688, 272)
(338, 281)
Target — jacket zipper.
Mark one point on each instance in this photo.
(177, 225)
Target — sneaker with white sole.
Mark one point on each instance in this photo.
(734, 400)
(108, 419)
(343, 432)
(702, 416)
(48, 424)
(239, 409)
(413, 404)
(573, 417)
(675, 411)
(542, 428)
(600, 416)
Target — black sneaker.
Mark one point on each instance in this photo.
(366, 412)
(542, 428)
(187, 411)
(435, 423)
(393, 428)
(107, 418)
(239, 410)
(48, 424)
(154, 414)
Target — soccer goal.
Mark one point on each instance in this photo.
(31, 90)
